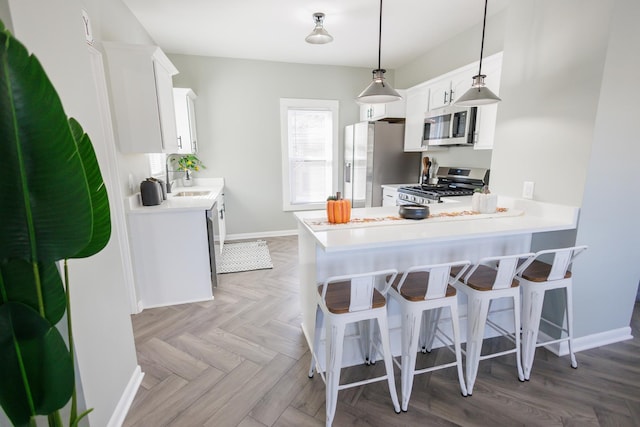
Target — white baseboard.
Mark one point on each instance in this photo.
(122, 408)
(278, 233)
(587, 342)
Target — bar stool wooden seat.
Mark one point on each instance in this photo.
(341, 300)
(422, 292)
(549, 269)
(492, 278)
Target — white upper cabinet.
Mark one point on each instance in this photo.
(417, 102)
(185, 120)
(444, 92)
(486, 118)
(396, 109)
(142, 96)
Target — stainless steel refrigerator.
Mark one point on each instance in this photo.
(374, 155)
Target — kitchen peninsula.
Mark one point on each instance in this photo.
(377, 239)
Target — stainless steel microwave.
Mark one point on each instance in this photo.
(450, 126)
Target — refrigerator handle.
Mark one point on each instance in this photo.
(347, 172)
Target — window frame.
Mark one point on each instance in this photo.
(287, 104)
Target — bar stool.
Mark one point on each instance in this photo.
(490, 279)
(535, 280)
(422, 292)
(349, 299)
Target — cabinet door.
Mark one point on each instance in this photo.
(389, 196)
(416, 107)
(487, 114)
(164, 90)
(142, 96)
(185, 120)
(439, 94)
(396, 109)
(460, 83)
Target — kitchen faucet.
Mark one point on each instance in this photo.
(169, 183)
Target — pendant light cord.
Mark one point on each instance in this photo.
(484, 24)
(380, 36)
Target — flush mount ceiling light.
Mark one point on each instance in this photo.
(478, 94)
(319, 35)
(378, 92)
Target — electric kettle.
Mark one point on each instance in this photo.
(151, 192)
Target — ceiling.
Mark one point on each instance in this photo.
(274, 30)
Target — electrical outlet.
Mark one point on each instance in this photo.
(527, 190)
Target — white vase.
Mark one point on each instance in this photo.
(187, 180)
(484, 203)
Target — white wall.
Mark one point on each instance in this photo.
(607, 277)
(106, 358)
(237, 112)
(552, 70)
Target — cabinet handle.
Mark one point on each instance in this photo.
(347, 172)
(445, 97)
(451, 95)
(180, 142)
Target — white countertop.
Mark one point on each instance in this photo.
(214, 186)
(536, 217)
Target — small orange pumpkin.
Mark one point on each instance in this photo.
(338, 210)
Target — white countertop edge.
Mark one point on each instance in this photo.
(538, 217)
(174, 204)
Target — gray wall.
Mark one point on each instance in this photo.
(238, 124)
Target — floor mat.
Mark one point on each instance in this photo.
(244, 256)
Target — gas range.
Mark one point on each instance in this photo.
(452, 182)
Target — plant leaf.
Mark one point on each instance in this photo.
(47, 364)
(45, 213)
(20, 286)
(97, 190)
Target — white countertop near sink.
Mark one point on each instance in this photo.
(214, 186)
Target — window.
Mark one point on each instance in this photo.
(309, 132)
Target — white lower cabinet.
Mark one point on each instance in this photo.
(170, 252)
(389, 196)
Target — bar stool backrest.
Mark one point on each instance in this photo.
(505, 266)
(562, 259)
(439, 277)
(362, 287)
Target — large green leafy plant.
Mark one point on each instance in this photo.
(53, 207)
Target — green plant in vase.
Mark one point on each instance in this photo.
(188, 164)
(54, 207)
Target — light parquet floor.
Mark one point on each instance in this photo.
(241, 360)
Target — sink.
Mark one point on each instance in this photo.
(192, 194)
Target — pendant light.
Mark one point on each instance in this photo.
(319, 35)
(479, 94)
(378, 92)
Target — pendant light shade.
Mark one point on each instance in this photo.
(378, 91)
(319, 35)
(479, 94)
